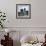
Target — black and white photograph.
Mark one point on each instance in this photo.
(23, 11)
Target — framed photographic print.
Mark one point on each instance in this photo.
(23, 11)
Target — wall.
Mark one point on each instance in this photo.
(38, 13)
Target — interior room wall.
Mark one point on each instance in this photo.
(38, 13)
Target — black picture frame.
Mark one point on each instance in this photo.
(23, 11)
